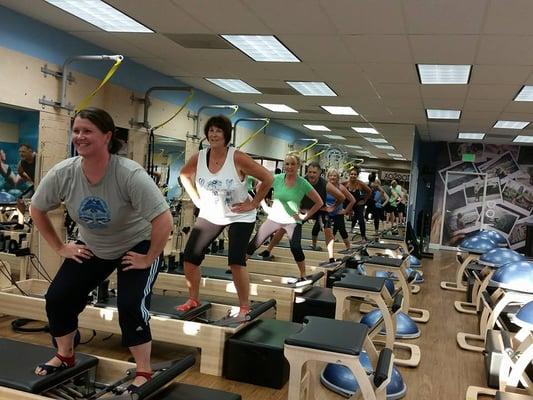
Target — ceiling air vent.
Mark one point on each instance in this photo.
(278, 91)
(199, 41)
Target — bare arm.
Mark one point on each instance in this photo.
(68, 250)
(248, 166)
(339, 197)
(318, 203)
(348, 196)
(187, 174)
(385, 196)
(161, 228)
(367, 190)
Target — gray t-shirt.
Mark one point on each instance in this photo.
(114, 214)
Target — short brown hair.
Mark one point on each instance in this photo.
(222, 122)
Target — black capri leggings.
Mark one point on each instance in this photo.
(204, 232)
(339, 225)
(294, 232)
(359, 217)
(67, 295)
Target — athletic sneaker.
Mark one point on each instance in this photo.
(302, 281)
(265, 253)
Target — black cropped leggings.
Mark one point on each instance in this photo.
(359, 217)
(294, 232)
(339, 225)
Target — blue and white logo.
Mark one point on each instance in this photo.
(94, 212)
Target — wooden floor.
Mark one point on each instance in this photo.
(444, 372)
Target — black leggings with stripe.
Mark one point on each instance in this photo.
(67, 296)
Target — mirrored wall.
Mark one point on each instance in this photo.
(169, 157)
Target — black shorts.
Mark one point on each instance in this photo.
(400, 208)
(204, 232)
(323, 218)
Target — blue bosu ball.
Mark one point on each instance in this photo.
(414, 262)
(7, 198)
(500, 256)
(496, 237)
(477, 244)
(339, 379)
(405, 326)
(517, 276)
(524, 316)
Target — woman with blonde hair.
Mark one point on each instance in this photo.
(288, 191)
(342, 209)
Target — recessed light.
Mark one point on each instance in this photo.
(511, 124)
(353, 146)
(438, 74)
(364, 130)
(443, 114)
(523, 139)
(399, 159)
(526, 94)
(339, 110)
(363, 152)
(395, 155)
(385, 146)
(234, 85)
(471, 135)
(318, 128)
(336, 137)
(262, 47)
(312, 88)
(277, 107)
(371, 156)
(100, 14)
(376, 140)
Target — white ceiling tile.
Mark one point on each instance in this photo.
(443, 17)
(492, 92)
(398, 90)
(509, 17)
(355, 17)
(500, 74)
(318, 48)
(519, 107)
(484, 104)
(443, 91)
(379, 48)
(112, 42)
(480, 115)
(505, 50)
(162, 16)
(224, 17)
(390, 72)
(452, 49)
(444, 103)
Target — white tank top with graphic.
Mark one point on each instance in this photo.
(219, 192)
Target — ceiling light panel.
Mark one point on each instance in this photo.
(338, 110)
(511, 124)
(353, 146)
(385, 146)
(375, 140)
(443, 114)
(318, 128)
(277, 107)
(395, 155)
(336, 137)
(234, 85)
(312, 88)
(471, 135)
(437, 74)
(526, 94)
(523, 139)
(365, 130)
(100, 14)
(266, 48)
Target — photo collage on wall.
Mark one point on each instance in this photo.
(505, 204)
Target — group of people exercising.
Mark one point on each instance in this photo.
(124, 223)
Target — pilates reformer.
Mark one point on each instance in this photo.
(26, 300)
(92, 378)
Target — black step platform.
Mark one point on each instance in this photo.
(383, 246)
(344, 337)
(361, 282)
(18, 361)
(397, 238)
(317, 301)
(385, 261)
(255, 354)
(165, 306)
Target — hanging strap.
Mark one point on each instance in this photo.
(180, 108)
(309, 147)
(87, 100)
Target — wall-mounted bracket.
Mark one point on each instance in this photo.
(56, 104)
(57, 74)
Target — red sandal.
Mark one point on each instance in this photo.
(132, 389)
(188, 305)
(66, 362)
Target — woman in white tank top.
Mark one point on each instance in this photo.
(219, 191)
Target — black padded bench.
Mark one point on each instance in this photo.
(361, 282)
(317, 301)
(19, 360)
(384, 246)
(397, 238)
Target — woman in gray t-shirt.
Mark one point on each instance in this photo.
(124, 224)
